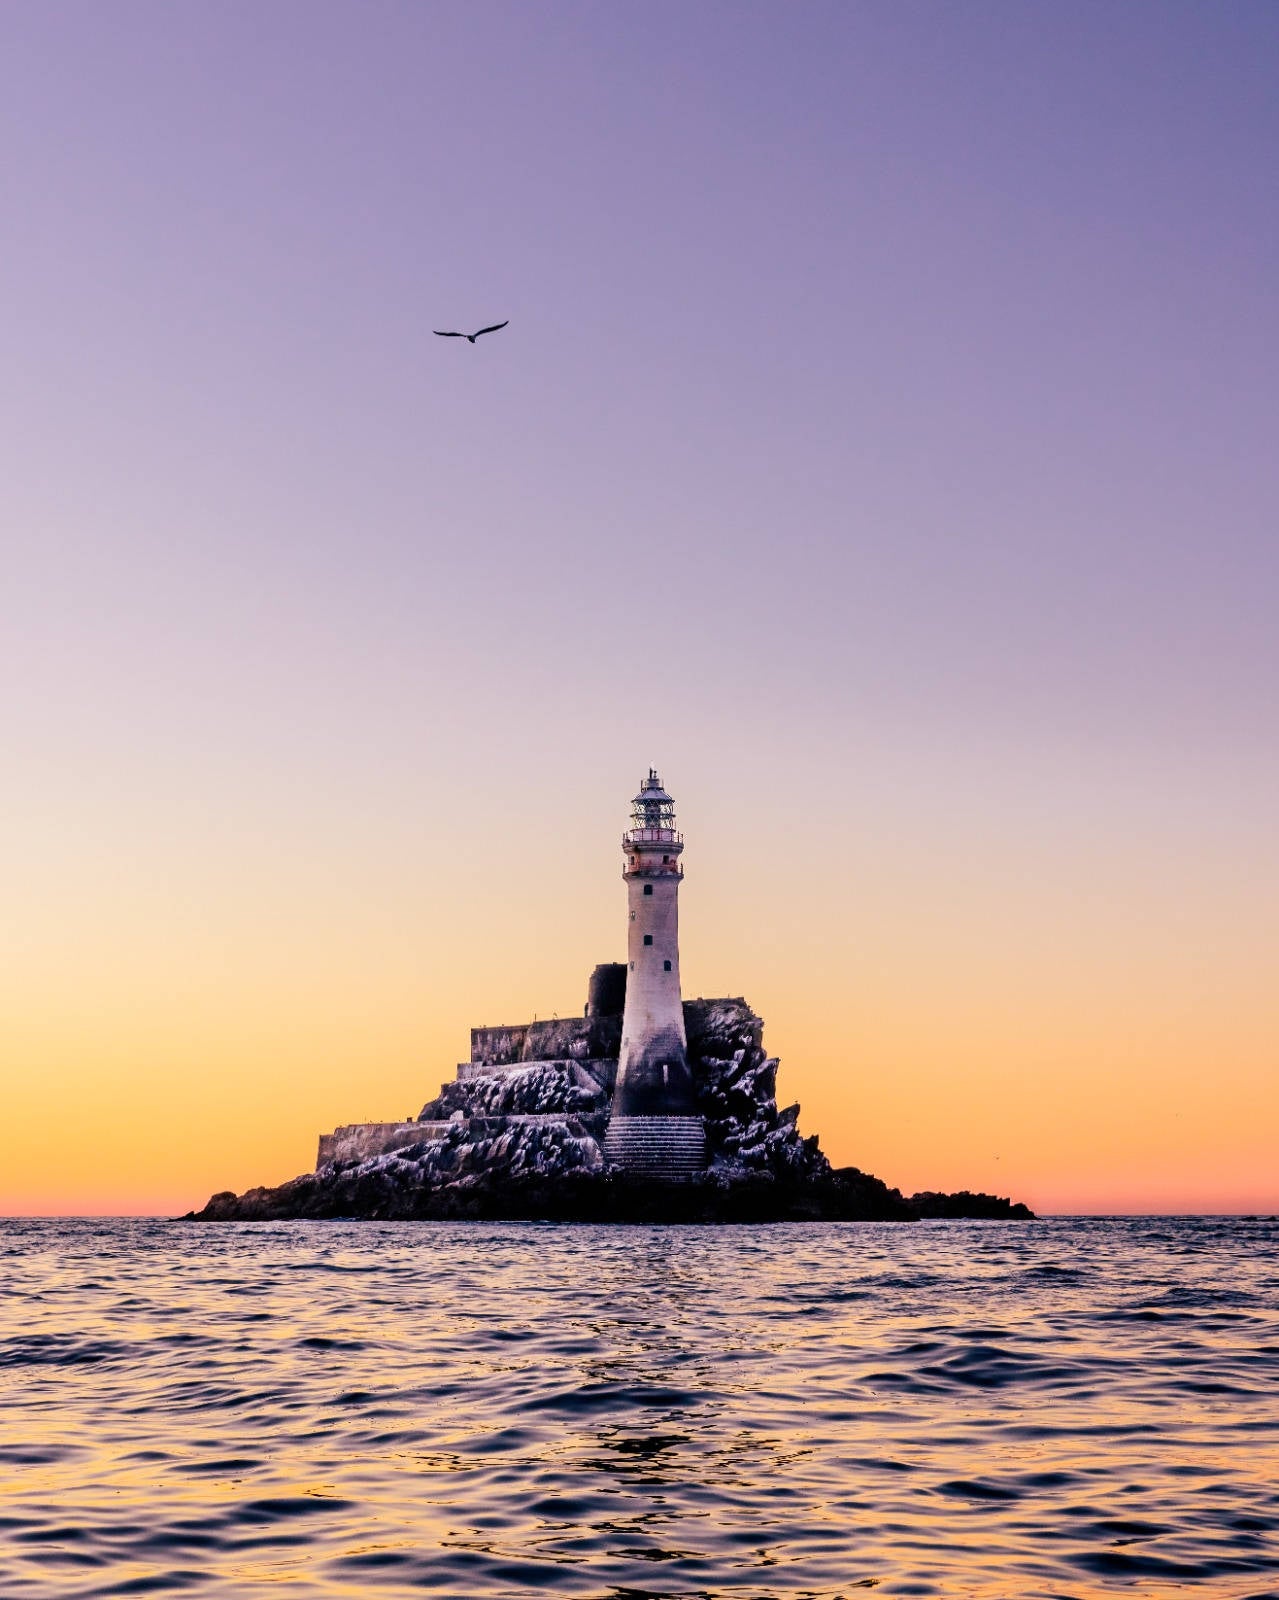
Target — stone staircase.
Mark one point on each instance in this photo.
(668, 1149)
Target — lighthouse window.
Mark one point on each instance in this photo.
(665, 859)
(648, 888)
(666, 966)
(648, 938)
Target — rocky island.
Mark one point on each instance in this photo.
(647, 1107)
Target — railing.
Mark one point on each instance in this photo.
(652, 836)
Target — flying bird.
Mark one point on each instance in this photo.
(471, 337)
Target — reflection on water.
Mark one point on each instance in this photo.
(327, 1409)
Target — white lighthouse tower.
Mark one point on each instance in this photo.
(654, 1129)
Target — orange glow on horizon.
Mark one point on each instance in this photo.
(1083, 1034)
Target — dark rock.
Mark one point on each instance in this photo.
(979, 1207)
(527, 1144)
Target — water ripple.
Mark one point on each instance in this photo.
(1058, 1409)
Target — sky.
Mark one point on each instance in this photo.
(882, 446)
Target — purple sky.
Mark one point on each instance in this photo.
(888, 406)
(927, 353)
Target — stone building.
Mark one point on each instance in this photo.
(647, 1107)
(621, 1070)
(654, 1125)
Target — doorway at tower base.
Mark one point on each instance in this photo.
(667, 1149)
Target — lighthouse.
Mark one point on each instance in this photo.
(654, 1129)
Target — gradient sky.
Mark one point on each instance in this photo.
(883, 445)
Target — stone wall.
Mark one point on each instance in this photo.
(499, 1047)
(708, 1024)
(603, 1069)
(362, 1141)
(555, 1039)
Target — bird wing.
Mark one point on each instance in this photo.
(444, 335)
(493, 329)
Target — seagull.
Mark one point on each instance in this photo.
(472, 337)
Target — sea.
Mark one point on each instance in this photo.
(363, 1409)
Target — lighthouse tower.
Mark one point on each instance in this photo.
(654, 1129)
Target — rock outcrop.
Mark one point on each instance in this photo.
(541, 1089)
(736, 1086)
(527, 1142)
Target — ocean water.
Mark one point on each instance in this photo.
(313, 1410)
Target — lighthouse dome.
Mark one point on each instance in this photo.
(652, 812)
(651, 791)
